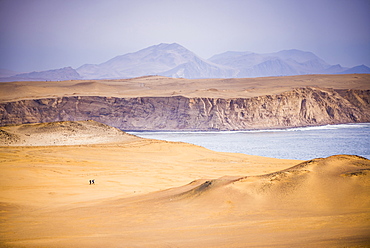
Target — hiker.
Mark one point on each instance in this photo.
(93, 181)
(90, 181)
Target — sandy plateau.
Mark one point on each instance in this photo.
(150, 193)
(157, 86)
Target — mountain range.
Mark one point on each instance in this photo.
(174, 60)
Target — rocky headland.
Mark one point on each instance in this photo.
(295, 108)
(275, 103)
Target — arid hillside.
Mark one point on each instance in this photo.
(159, 103)
(150, 193)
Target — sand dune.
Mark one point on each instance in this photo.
(321, 203)
(61, 133)
(152, 193)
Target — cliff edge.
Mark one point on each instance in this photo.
(298, 107)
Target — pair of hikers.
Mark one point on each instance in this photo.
(92, 181)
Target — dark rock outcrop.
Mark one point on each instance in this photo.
(299, 107)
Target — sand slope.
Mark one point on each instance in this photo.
(321, 203)
(62, 133)
(163, 194)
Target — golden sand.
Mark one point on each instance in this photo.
(150, 193)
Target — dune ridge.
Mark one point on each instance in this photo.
(62, 133)
(150, 193)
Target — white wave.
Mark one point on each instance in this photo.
(331, 127)
(294, 129)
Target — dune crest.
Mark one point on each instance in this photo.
(323, 202)
(320, 183)
(62, 133)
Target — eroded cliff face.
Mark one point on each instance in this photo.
(299, 107)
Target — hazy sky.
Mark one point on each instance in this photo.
(48, 34)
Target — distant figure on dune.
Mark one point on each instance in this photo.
(92, 181)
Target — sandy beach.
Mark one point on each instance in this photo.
(151, 193)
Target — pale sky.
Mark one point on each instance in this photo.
(49, 34)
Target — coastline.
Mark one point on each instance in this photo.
(300, 128)
(295, 143)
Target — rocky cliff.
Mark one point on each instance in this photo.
(299, 107)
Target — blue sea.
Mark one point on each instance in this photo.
(294, 143)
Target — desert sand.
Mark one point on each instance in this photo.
(151, 193)
(158, 86)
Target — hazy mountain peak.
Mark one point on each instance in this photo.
(152, 60)
(162, 47)
(298, 55)
(174, 60)
(228, 54)
(200, 68)
(66, 73)
(169, 46)
(360, 69)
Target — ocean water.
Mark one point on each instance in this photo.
(293, 143)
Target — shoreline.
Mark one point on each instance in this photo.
(300, 128)
(294, 143)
